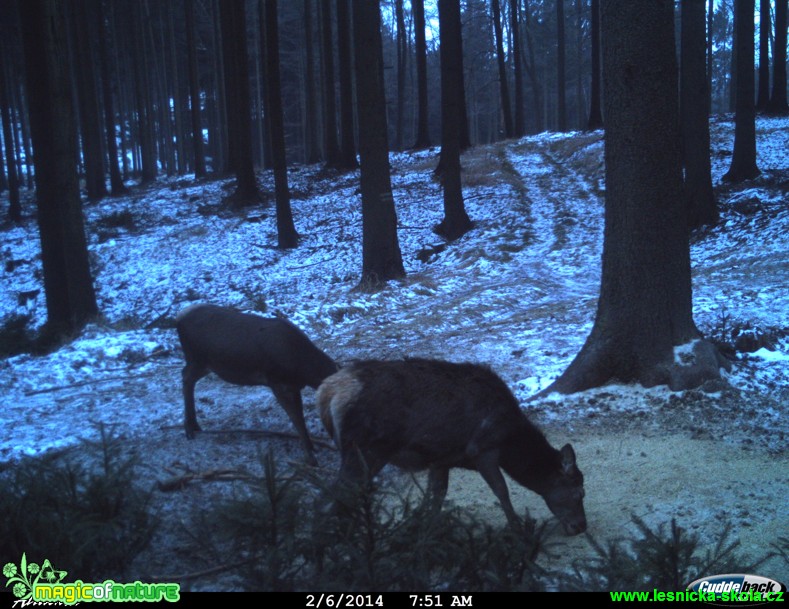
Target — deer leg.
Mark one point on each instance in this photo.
(487, 464)
(437, 484)
(191, 373)
(289, 397)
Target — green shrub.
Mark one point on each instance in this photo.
(659, 558)
(78, 509)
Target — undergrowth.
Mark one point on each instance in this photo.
(295, 531)
(81, 510)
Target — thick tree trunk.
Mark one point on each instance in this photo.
(645, 305)
(71, 301)
(233, 22)
(381, 257)
(456, 221)
(702, 208)
(743, 162)
(286, 231)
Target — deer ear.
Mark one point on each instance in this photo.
(568, 458)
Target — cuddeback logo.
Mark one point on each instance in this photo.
(32, 583)
(739, 589)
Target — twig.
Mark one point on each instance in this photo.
(91, 382)
(304, 266)
(218, 475)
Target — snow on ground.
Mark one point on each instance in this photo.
(518, 292)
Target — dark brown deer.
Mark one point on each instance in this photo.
(426, 414)
(246, 349)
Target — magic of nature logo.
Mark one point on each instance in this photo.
(31, 582)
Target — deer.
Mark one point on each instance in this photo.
(247, 349)
(422, 414)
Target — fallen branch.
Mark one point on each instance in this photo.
(92, 382)
(217, 475)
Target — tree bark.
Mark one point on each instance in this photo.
(743, 162)
(420, 44)
(87, 96)
(595, 113)
(236, 69)
(504, 90)
(456, 221)
(645, 305)
(117, 187)
(347, 158)
(778, 103)
(520, 125)
(381, 257)
(14, 205)
(194, 91)
(286, 231)
(331, 148)
(71, 301)
(311, 143)
(702, 208)
(561, 69)
(763, 92)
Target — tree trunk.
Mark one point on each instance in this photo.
(402, 53)
(331, 148)
(763, 92)
(381, 258)
(286, 231)
(142, 94)
(645, 305)
(117, 187)
(520, 125)
(194, 91)
(234, 37)
(14, 205)
(561, 69)
(347, 158)
(710, 19)
(743, 161)
(311, 144)
(778, 104)
(456, 221)
(504, 91)
(702, 208)
(71, 301)
(595, 114)
(420, 44)
(87, 97)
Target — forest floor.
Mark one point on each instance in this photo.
(518, 292)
